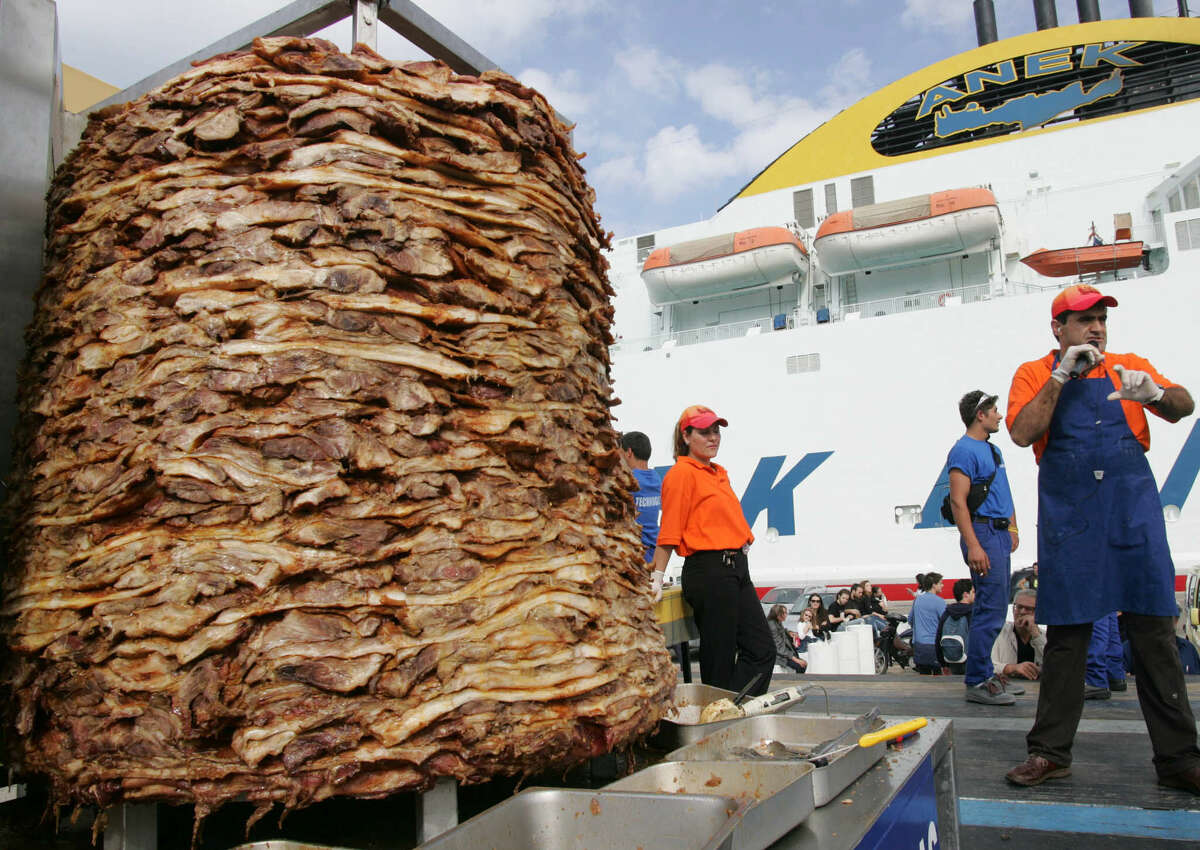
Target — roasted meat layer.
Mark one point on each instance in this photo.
(317, 490)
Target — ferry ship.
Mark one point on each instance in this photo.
(906, 252)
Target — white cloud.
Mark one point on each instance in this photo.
(501, 28)
(649, 71)
(936, 14)
(849, 78)
(565, 92)
(754, 116)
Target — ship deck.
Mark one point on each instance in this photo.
(1110, 801)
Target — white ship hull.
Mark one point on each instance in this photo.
(840, 423)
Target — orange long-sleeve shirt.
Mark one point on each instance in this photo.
(699, 510)
(1032, 376)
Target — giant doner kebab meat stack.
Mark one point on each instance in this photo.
(316, 488)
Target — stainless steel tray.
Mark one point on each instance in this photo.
(775, 796)
(548, 818)
(797, 730)
(683, 725)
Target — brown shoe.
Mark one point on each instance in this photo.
(1188, 780)
(1035, 770)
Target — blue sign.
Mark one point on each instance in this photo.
(910, 822)
(1028, 110)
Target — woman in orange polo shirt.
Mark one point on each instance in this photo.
(702, 520)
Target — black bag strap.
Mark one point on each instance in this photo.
(995, 469)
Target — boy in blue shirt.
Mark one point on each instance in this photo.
(988, 537)
(648, 497)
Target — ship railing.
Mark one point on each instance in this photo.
(861, 310)
(709, 333)
(916, 301)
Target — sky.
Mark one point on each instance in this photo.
(676, 105)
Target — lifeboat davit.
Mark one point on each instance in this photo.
(731, 262)
(907, 231)
(1089, 259)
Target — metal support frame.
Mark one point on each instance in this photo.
(132, 826)
(304, 17)
(437, 809)
(366, 23)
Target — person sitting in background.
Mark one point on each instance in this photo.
(1025, 579)
(840, 611)
(807, 631)
(958, 615)
(864, 603)
(820, 617)
(785, 647)
(926, 611)
(1019, 646)
(877, 599)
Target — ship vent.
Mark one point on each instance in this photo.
(798, 363)
(862, 191)
(802, 208)
(645, 245)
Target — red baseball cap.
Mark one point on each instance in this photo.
(1079, 296)
(699, 416)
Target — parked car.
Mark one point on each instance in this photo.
(796, 597)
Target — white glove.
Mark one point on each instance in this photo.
(1136, 386)
(1075, 361)
(656, 580)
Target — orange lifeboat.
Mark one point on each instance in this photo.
(907, 231)
(1089, 259)
(731, 262)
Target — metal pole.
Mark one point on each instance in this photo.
(1089, 10)
(29, 69)
(985, 22)
(1045, 13)
(425, 32)
(1141, 8)
(132, 827)
(300, 17)
(1183, 9)
(366, 23)
(437, 809)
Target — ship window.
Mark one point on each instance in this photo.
(830, 198)
(798, 363)
(1187, 234)
(1191, 195)
(1174, 202)
(862, 191)
(645, 244)
(802, 208)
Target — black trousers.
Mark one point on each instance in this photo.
(735, 642)
(1161, 692)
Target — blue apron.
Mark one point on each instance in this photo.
(1102, 541)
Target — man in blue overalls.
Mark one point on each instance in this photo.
(1102, 541)
(987, 537)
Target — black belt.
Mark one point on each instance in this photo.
(999, 523)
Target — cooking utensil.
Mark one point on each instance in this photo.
(726, 709)
(863, 724)
(741, 695)
(897, 731)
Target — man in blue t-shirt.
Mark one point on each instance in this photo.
(988, 537)
(648, 497)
